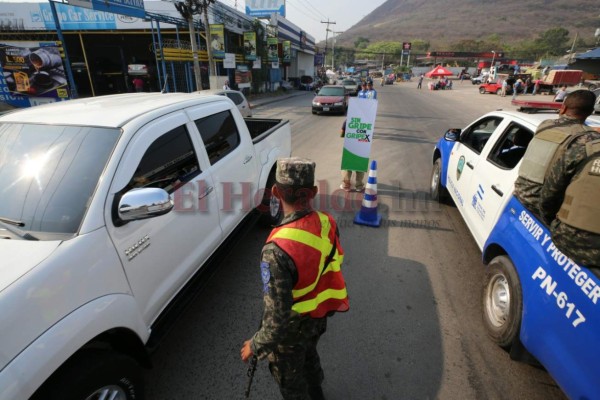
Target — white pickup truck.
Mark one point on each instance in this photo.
(110, 208)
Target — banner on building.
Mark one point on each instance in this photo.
(229, 60)
(287, 51)
(264, 9)
(272, 51)
(250, 46)
(360, 125)
(243, 77)
(32, 73)
(217, 40)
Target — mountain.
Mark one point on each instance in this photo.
(442, 22)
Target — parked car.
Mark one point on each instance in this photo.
(330, 99)
(307, 82)
(123, 201)
(236, 96)
(535, 300)
(350, 86)
(478, 80)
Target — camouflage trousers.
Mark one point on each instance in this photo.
(297, 367)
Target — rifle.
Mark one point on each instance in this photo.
(250, 374)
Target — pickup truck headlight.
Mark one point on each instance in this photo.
(339, 104)
(316, 103)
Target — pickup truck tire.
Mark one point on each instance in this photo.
(592, 86)
(502, 302)
(482, 90)
(499, 92)
(95, 375)
(437, 191)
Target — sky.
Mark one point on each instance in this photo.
(308, 14)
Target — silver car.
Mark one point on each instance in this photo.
(237, 97)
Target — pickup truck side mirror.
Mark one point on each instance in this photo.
(452, 135)
(144, 203)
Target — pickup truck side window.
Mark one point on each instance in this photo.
(511, 147)
(219, 134)
(169, 163)
(476, 136)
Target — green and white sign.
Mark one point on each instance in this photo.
(360, 125)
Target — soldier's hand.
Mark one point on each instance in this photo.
(246, 351)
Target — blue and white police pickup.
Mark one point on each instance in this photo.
(533, 295)
(110, 209)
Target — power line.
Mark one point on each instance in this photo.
(300, 10)
(318, 12)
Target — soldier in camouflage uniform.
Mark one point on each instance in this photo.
(562, 132)
(572, 210)
(294, 316)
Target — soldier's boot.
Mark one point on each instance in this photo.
(316, 393)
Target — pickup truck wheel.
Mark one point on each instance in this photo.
(437, 191)
(95, 375)
(482, 90)
(502, 302)
(592, 86)
(499, 92)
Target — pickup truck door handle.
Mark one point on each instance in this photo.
(470, 165)
(247, 159)
(498, 191)
(207, 191)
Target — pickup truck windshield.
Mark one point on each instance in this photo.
(48, 173)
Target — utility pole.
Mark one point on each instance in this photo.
(328, 22)
(187, 9)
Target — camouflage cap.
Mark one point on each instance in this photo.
(295, 171)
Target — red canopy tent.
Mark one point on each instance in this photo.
(439, 71)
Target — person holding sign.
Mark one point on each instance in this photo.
(359, 176)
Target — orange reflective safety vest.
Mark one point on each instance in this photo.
(308, 241)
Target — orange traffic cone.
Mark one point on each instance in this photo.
(368, 211)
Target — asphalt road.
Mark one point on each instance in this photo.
(414, 327)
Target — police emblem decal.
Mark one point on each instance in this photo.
(265, 273)
(460, 166)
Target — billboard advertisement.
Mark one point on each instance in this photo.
(250, 46)
(264, 8)
(272, 51)
(287, 51)
(32, 73)
(217, 40)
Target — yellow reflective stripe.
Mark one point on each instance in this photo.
(301, 236)
(312, 304)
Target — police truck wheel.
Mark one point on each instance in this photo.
(437, 191)
(94, 375)
(482, 90)
(502, 302)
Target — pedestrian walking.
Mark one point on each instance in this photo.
(226, 86)
(420, 82)
(362, 94)
(138, 84)
(504, 87)
(302, 285)
(536, 87)
(561, 94)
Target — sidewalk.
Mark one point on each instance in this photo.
(268, 98)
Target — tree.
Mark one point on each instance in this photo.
(554, 41)
(361, 42)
